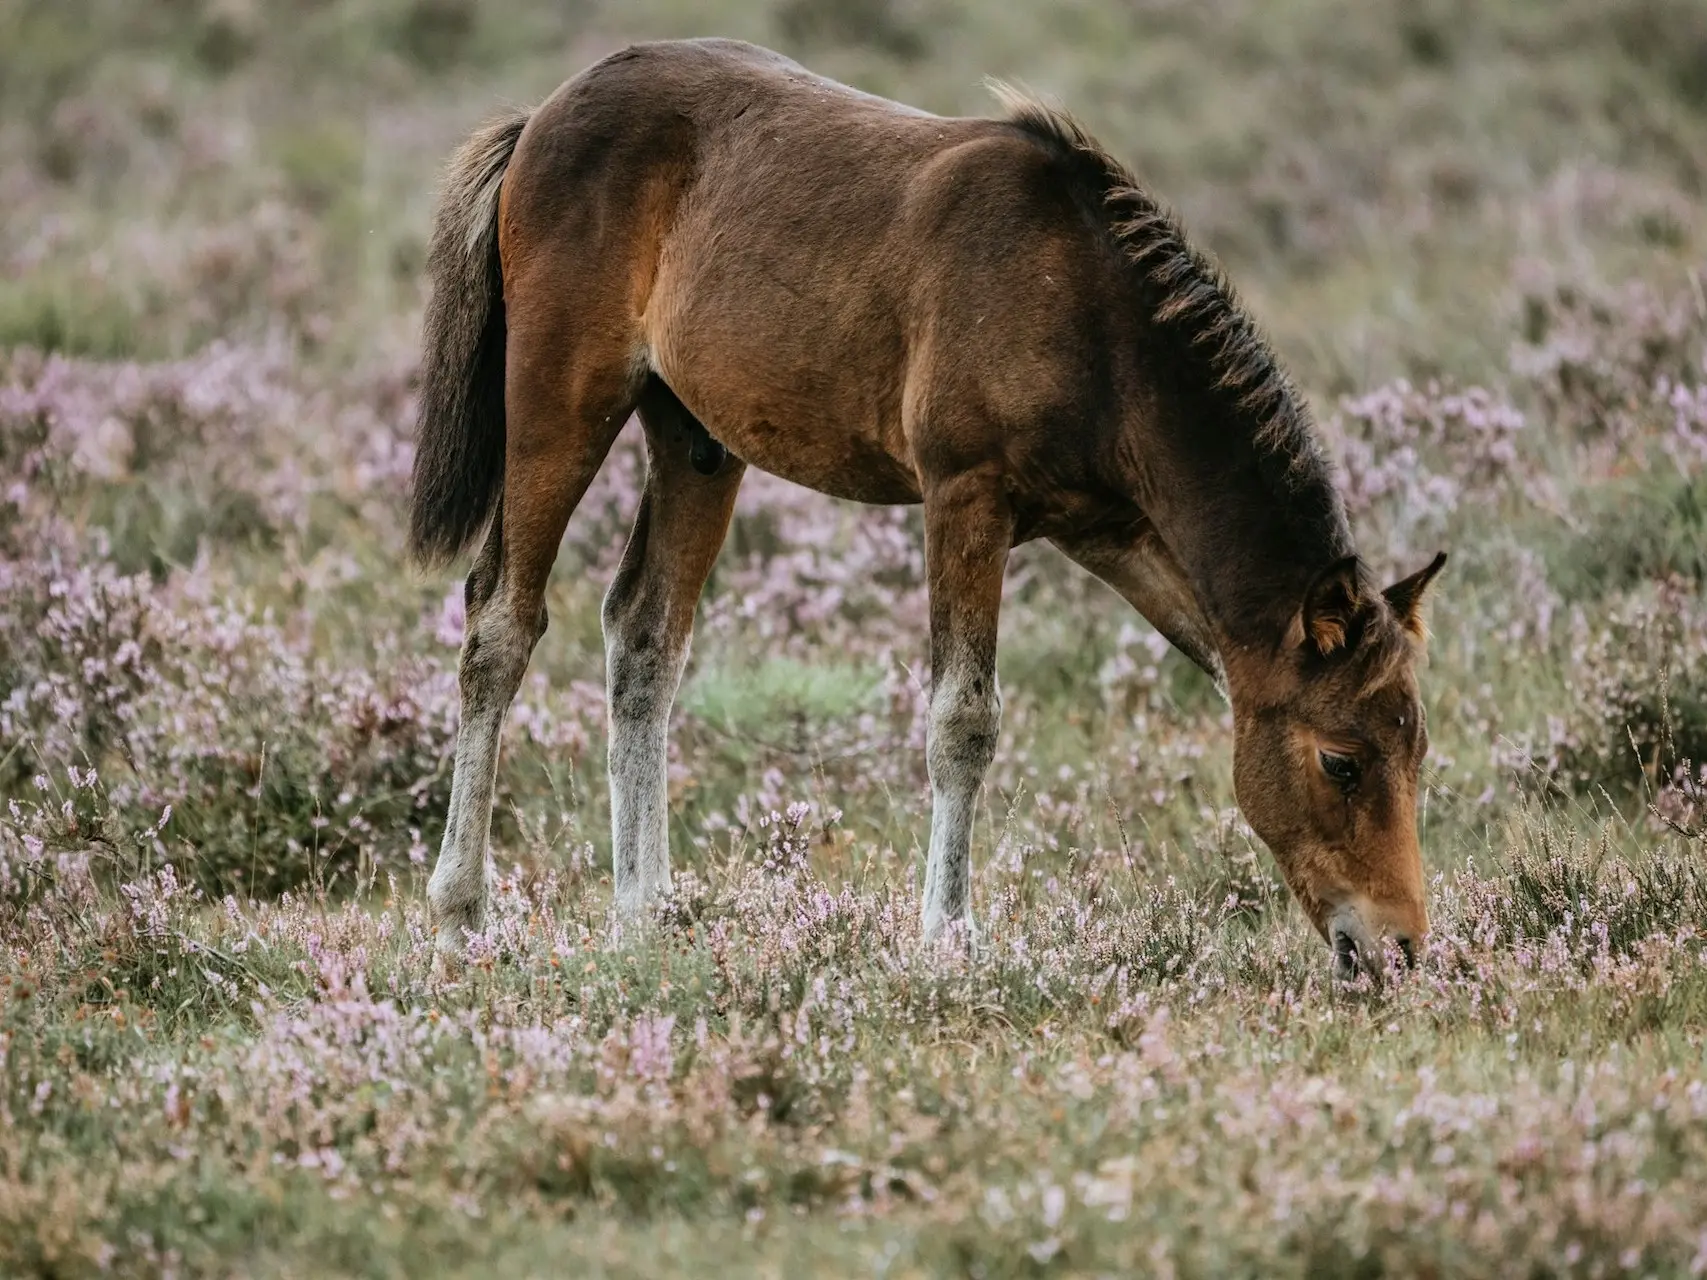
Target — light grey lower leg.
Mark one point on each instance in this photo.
(968, 530)
(965, 718)
(648, 620)
(494, 656)
(648, 623)
(643, 670)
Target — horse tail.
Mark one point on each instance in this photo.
(459, 437)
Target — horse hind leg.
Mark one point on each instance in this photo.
(689, 497)
(556, 441)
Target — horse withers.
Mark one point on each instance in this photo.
(986, 316)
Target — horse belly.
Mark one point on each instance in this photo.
(826, 417)
(841, 466)
(797, 442)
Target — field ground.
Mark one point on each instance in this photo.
(1476, 233)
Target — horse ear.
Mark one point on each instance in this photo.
(1331, 608)
(1406, 596)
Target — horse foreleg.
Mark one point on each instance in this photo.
(968, 532)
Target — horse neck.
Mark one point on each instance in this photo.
(1250, 526)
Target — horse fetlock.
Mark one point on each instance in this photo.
(455, 911)
(643, 889)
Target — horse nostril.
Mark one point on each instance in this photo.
(1409, 952)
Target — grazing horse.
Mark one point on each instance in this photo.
(986, 316)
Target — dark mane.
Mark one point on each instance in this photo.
(1197, 302)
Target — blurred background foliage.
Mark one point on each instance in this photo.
(1373, 172)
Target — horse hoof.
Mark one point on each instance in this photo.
(954, 935)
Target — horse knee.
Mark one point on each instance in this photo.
(965, 718)
(638, 670)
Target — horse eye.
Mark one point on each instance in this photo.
(1344, 771)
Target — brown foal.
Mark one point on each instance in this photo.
(988, 316)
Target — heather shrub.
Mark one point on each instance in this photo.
(1632, 532)
(434, 32)
(180, 686)
(160, 456)
(1638, 694)
(819, 708)
(58, 319)
(1620, 911)
(1585, 894)
(1595, 357)
(1412, 457)
(1670, 35)
(277, 765)
(881, 24)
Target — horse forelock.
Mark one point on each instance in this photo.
(1388, 653)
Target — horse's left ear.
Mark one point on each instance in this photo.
(1332, 609)
(1406, 595)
